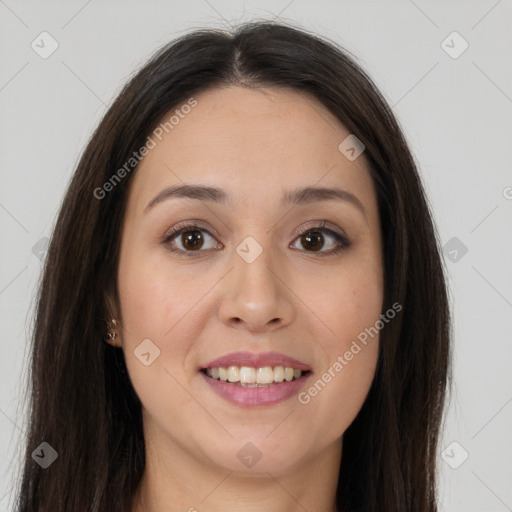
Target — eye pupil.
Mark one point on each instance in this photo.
(312, 240)
(192, 240)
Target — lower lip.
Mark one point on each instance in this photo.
(252, 397)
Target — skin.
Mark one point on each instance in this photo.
(255, 145)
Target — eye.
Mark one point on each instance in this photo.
(189, 239)
(322, 240)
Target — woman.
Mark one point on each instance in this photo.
(248, 233)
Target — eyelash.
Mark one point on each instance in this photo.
(342, 241)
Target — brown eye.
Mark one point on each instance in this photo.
(322, 240)
(192, 240)
(312, 240)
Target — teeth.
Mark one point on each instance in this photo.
(233, 374)
(288, 374)
(247, 375)
(254, 377)
(265, 375)
(279, 374)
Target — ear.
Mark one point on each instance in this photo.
(112, 313)
(111, 302)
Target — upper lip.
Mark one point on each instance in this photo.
(257, 360)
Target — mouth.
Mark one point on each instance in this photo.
(252, 377)
(248, 379)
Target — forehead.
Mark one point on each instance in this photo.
(252, 140)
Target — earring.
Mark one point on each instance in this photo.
(112, 334)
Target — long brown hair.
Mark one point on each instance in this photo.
(82, 401)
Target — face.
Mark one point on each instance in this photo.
(256, 266)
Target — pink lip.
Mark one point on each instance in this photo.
(251, 397)
(256, 361)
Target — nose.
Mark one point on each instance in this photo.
(256, 296)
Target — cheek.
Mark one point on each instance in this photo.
(146, 301)
(154, 296)
(151, 304)
(335, 396)
(154, 306)
(352, 314)
(348, 300)
(167, 305)
(350, 304)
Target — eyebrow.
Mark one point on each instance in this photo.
(299, 196)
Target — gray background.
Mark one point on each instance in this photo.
(456, 113)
